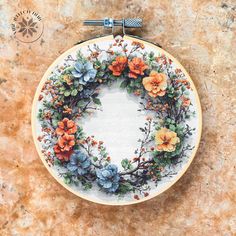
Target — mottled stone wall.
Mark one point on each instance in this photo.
(202, 35)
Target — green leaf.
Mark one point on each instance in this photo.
(125, 187)
(125, 163)
(54, 122)
(67, 93)
(98, 63)
(62, 89)
(76, 83)
(168, 120)
(124, 84)
(186, 93)
(87, 185)
(132, 83)
(67, 180)
(97, 101)
(151, 54)
(103, 66)
(57, 162)
(178, 103)
(172, 127)
(74, 92)
(129, 90)
(80, 103)
(100, 74)
(68, 70)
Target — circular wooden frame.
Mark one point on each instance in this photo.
(175, 178)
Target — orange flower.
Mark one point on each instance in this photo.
(118, 65)
(68, 79)
(94, 54)
(66, 126)
(137, 67)
(138, 44)
(155, 84)
(62, 155)
(185, 101)
(63, 148)
(67, 110)
(66, 142)
(166, 140)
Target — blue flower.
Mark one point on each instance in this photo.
(79, 163)
(84, 72)
(108, 178)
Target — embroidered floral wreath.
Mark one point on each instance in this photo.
(72, 92)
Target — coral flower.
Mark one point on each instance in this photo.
(66, 126)
(67, 110)
(62, 155)
(155, 84)
(137, 67)
(68, 79)
(138, 44)
(118, 65)
(166, 140)
(66, 142)
(185, 101)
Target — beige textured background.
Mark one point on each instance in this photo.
(202, 35)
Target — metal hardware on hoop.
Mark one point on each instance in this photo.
(111, 23)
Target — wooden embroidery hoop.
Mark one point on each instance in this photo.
(104, 39)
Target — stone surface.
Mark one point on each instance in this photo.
(202, 35)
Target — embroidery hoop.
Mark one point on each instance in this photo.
(107, 38)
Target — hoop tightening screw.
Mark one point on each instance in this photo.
(110, 23)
